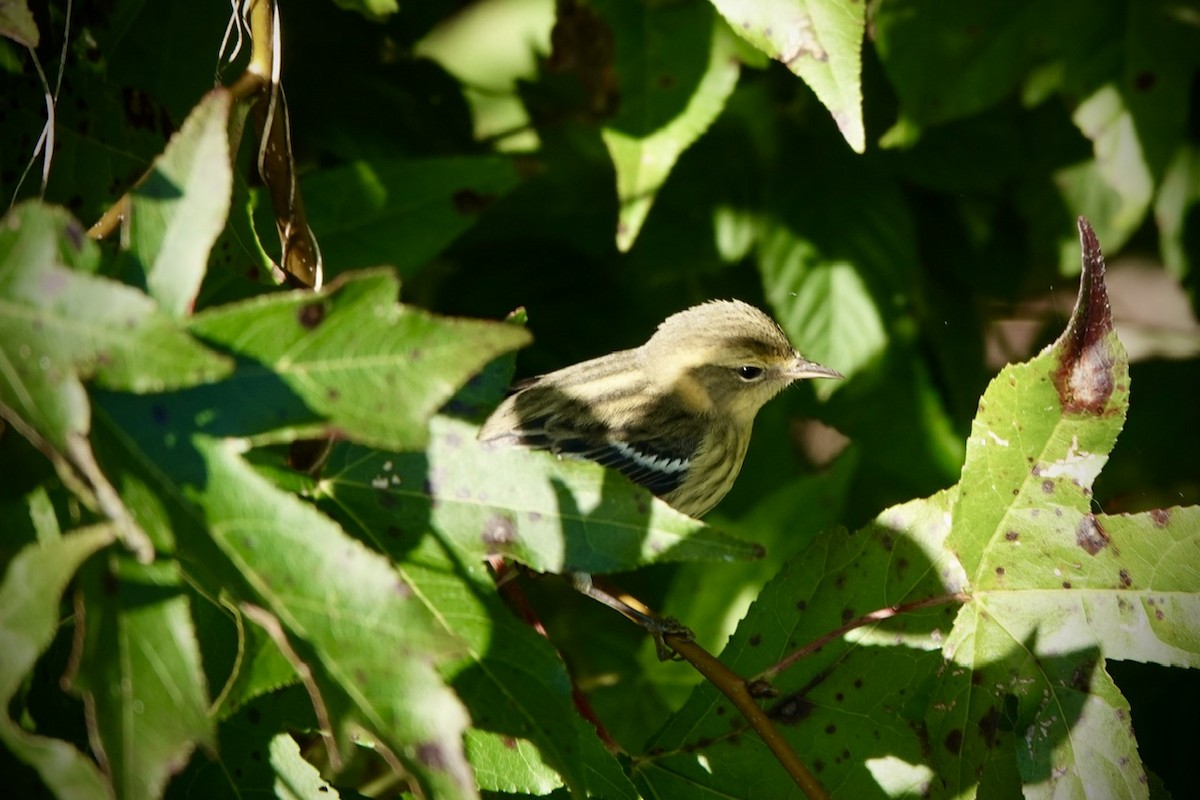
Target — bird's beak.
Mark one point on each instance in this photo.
(803, 368)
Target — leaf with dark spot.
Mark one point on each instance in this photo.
(1090, 535)
(341, 352)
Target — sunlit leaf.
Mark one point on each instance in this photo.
(504, 764)
(1044, 431)
(1175, 210)
(1012, 695)
(296, 779)
(1055, 584)
(819, 40)
(553, 515)
(825, 306)
(675, 67)
(177, 212)
(60, 327)
(350, 357)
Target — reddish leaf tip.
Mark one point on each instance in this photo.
(1084, 378)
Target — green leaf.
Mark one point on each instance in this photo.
(252, 759)
(827, 307)
(1116, 188)
(138, 667)
(1062, 612)
(401, 213)
(675, 68)
(553, 515)
(1175, 210)
(714, 598)
(363, 623)
(1135, 122)
(819, 40)
(179, 210)
(834, 254)
(371, 9)
(296, 779)
(848, 707)
(971, 54)
(365, 643)
(29, 616)
(370, 368)
(1034, 716)
(1017, 700)
(510, 678)
(258, 667)
(60, 327)
(505, 764)
(1055, 586)
(1044, 431)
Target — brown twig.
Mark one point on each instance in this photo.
(737, 689)
(773, 671)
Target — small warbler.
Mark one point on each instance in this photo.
(675, 414)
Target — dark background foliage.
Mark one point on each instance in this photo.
(918, 267)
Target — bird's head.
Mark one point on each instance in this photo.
(726, 357)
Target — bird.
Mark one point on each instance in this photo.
(673, 415)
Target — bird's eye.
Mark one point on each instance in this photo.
(749, 373)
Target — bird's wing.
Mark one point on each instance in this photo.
(660, 466)
(657, 458)
(653, 446)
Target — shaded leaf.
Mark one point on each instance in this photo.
(29, 615)
(367, 645)
(400, 213)
(372, 369)
(178, 211)
(553, 515)
(675, 68)
(973, 54)
(138, 667)
(371, 9)
(850, 705)
(512, 681)
(819, 40)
